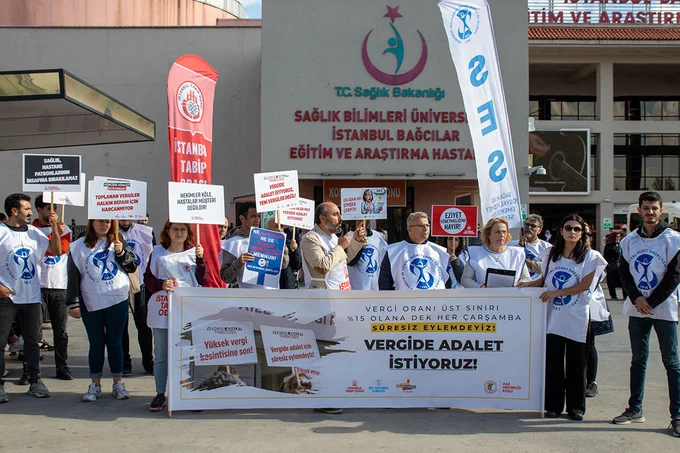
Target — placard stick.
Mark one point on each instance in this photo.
(63, 210)
(114, 225)
(52, 202)
(364, 224)
(278, 218)
(294, 228)
(198, 234)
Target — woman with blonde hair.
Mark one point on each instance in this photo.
(99, 292)
(494, 254)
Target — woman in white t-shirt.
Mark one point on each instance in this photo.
(571, 271)
(175, 262)
(98, 291)
(494, 254)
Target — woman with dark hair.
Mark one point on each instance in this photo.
(571, 271)
(175, 262)
(101, 298)
(456, 248)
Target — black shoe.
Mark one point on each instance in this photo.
(576, 415)
(591, 389)
(64, 374)
(127, 370)
(149, 371)
(551, 414)
(23, 380)
(157, 403)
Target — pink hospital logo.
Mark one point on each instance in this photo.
(395, 46)
(190, 102)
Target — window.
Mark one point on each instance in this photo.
(563, 108)
(646, 108)
(594, 161)
(646, 162)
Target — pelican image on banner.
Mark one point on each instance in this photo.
(473, 50)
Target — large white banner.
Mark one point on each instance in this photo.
(465, 348)
(473, 49)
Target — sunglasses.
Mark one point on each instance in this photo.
(576, 229)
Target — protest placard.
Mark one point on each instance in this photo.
(224, 343)
(364, 203)
(276, 190)
(288, 347)
(301, 216)
(196, 203)
(68, 198)
(116, 199)
(51, 173)
(267, 247)
(454, 221)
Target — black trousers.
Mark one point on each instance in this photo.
(144, 333)
(614, 281)
(55, 301)
(560, 382)
(591, 373)
(30, 320)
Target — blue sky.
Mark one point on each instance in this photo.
(253, 7)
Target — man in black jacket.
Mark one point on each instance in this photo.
(288, 278)
(650, 273)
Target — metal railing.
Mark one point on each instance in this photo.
(561, 12)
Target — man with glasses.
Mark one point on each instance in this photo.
(415, 263)
(533, 246)
(650, 272)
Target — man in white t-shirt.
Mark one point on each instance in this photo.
(22, 247)
(533, 246)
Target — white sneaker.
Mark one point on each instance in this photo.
(17, 346)
(119, 391)
(94, 391)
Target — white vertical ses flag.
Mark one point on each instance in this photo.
(473, 49)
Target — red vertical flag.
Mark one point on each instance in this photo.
(191, 94)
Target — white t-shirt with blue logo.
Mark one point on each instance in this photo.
(102, 283)
(140, 239)
(533, 251)
(54, 269)
(364, 274)
(568, 316)
(418, 266)
(648, 261)
(481, 259)
(20, 255)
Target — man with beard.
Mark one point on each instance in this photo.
(533, 246)
(22, 247)
(650, 272)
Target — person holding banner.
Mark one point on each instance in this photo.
(571, 270)
(53, 284)
(325, 255)
(495, 257)
(235, 250)
(415, 263)
(140, 238)
(533, 246)
(22, 246)
(98, 291)
(364, 269)
(176, 262)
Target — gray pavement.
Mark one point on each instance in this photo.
(63, 423)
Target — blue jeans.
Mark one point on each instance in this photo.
(667, 333)
(160, 359)
(105, 330)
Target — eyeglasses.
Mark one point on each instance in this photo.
(576, 229)
(531, 225)
(423, 226)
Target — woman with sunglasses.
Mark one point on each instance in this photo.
(571, 271)
(175, 262)
(98, 291)
(494, 254)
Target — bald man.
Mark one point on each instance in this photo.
(324, 255)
